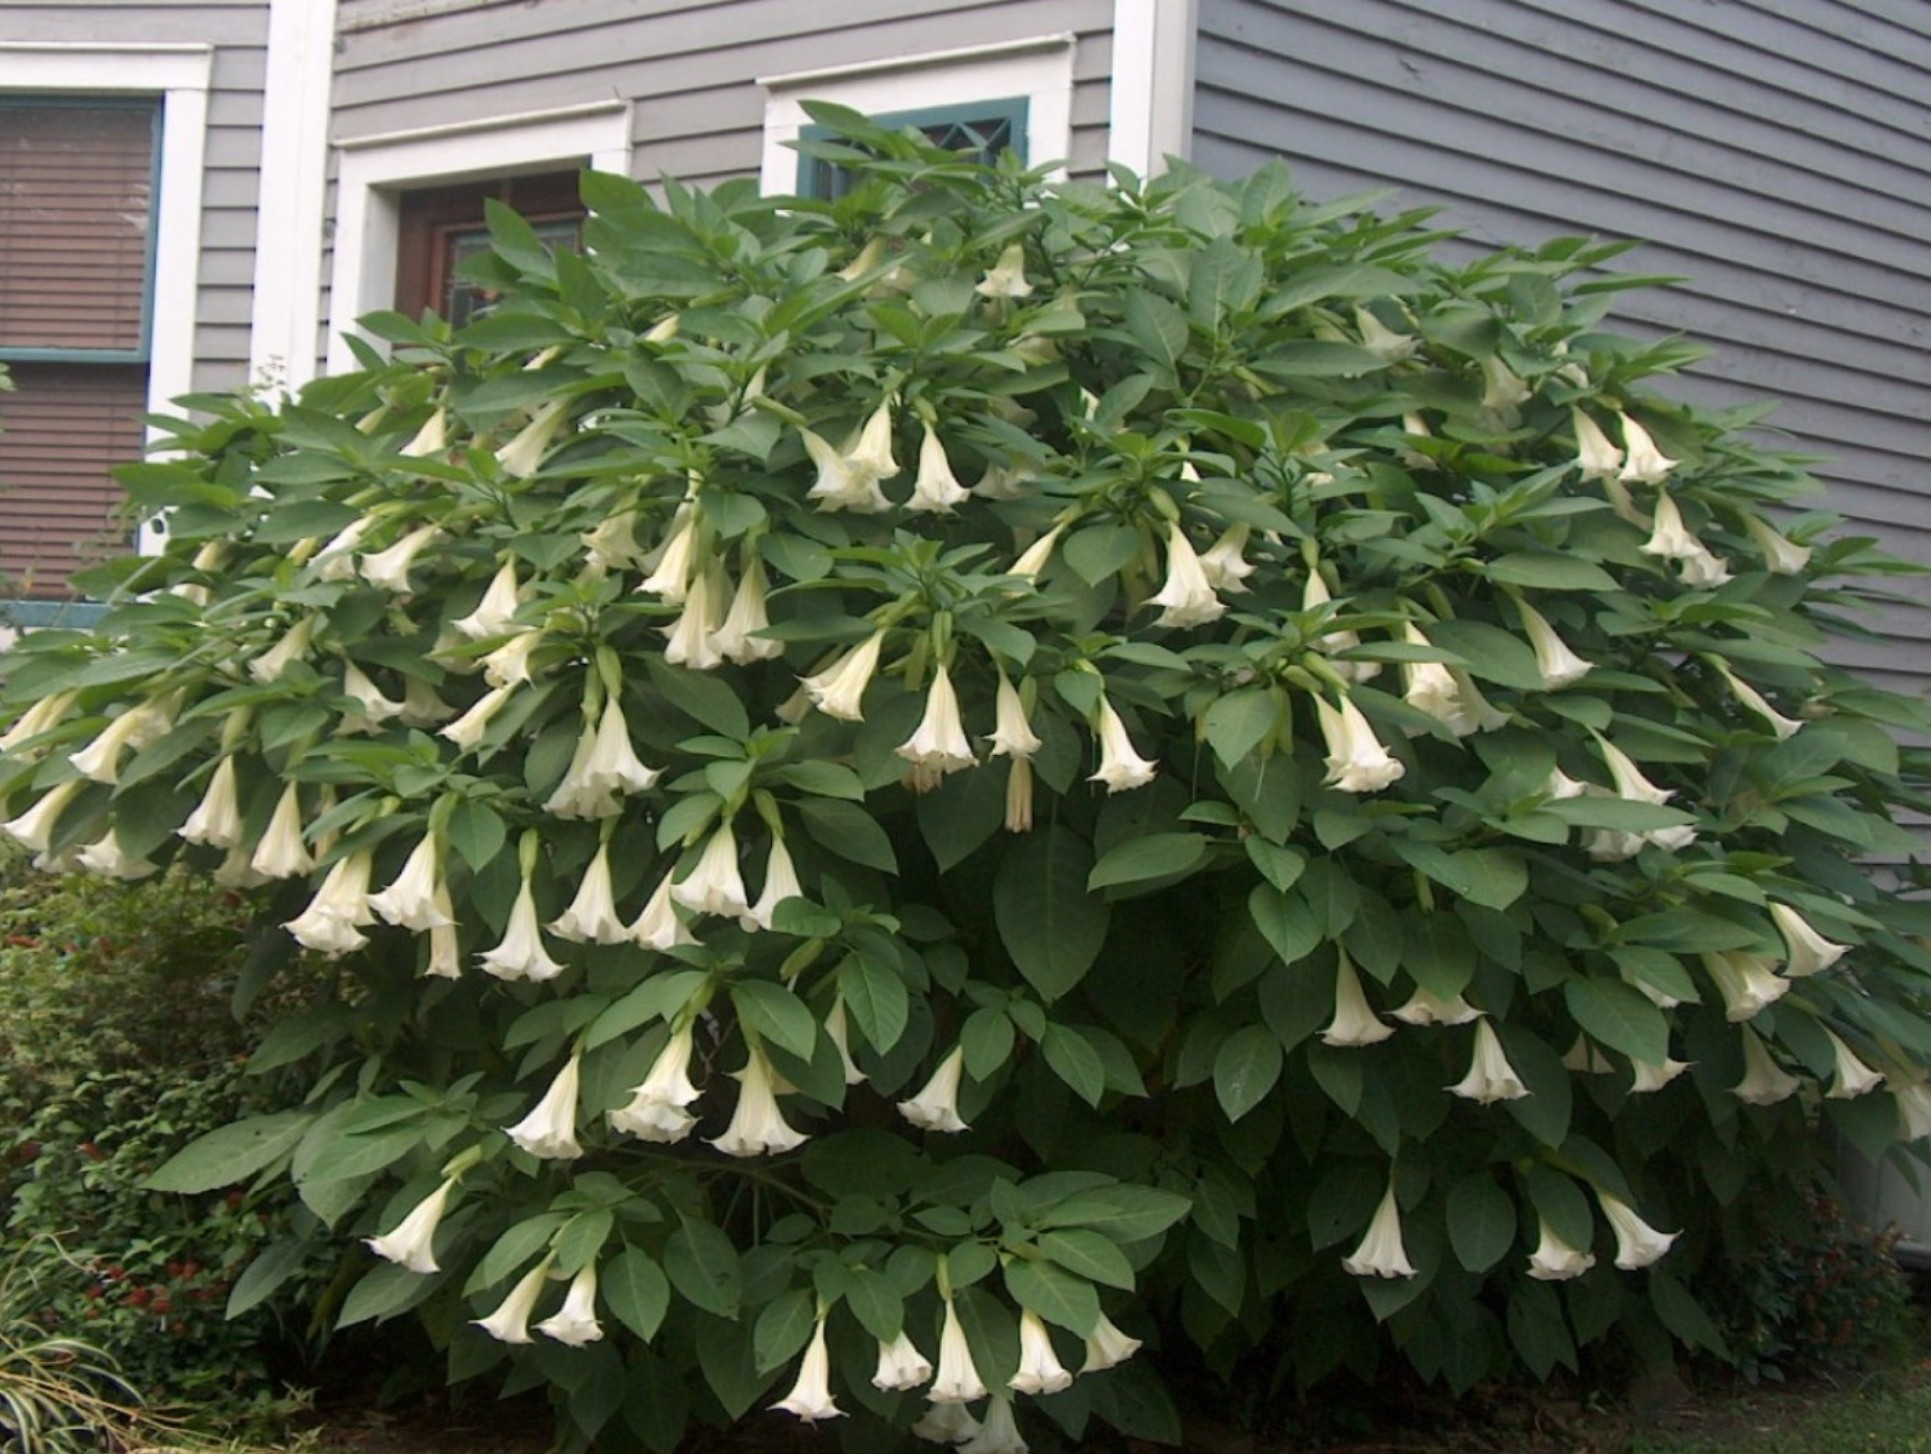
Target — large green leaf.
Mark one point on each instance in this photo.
(231, 1154)
(636, 1290)
(1050, 924)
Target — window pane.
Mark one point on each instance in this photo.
(463, 301)
(62, 428)
(979, 132)
(76, 185)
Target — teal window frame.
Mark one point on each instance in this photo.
(1012, 110)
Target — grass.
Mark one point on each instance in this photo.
(1886, 1417)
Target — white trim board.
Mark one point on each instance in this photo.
(1150, 106)
(178, 74)
(1039, 68)
(375, 171)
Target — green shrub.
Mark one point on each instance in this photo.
(59, 1394)
(1342, 834)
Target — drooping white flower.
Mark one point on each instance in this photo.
(1107, 1346)
(1012, 735)
(1186, 598)
(655, 1110)
(1637, 1243)
(432, 438)
(509, 664)
(958, 1380)
(1381, 1253)
(421, 707)
(43, 716)
(1314, 595)
(335, 561)
(523, 455)
(1623, 503)
(575, 1323)
(1631, 785)
(1428, 686)
(1490, 1077)
(372, 708)
(737, 639)
(1004, 482)
(838, 486)
(1764, 1083)
(1382, 341)
(549, 1132)
(1807, 951)
(1748, 983)
(467, 730)
(839, 690)
(1226, 568)
(1040, 1370)
(1597, 457)
(936, 489)
(901, 1366)
(1007, 277)
(510, 1323)
(1751, 700)
(780, 883)
(445, 945)
(592, 915)
(1502, 388)
(677, 561)
(612, 545)
(1121, 767)
(1554, 1260)
(838, 1031)
(936, 1107)
(1850, 1077)
(1671, 539)
(1425, 1007)
(1705, 569)
(691, 640)
(1355, 1022)
(658, 926)
(237, 872)
(715, 885)
(1913, 1111)
(999, 1434)
(521, 954)
(945, 1424)
(1019, 796)
(938, 745)
(1585, 1057)
(131, 731)
(1781, 555)
(216, 820)
(810, 1397)
(757, 1126)
(1554, 661)
(1651, 1077)
(1356, 760)
(294, 646)
(1560, 786)
(495, 613)
(1032, 560)
(104, 856)
(332, 922)
(1646, 464)
(388, 570)
(282, 853)
(411, 1243)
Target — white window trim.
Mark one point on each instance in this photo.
(1039, 68)
(178, 74)
(376, 170)
(1150, 109)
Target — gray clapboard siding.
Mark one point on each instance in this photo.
(238, 30)
(1776, 153)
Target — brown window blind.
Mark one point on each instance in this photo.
(76, 186)
(62, 428)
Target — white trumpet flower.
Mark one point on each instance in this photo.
(1502, 389)
(1751, 700)
(945, 1424)
(592, 915)
(1490, 1077)
(497, 609)
(1032, 560)
(838, 1031)
(467, 730)
(655, 1110)
(780, 883)
(1781, 555)
(1040, 1370)
(936, 1107)
(131, 731)
(691, 640)
(421, 707)
(757, 1126)
(715, 885)
(332, 922)
(1425, 1007)
(432, 438)
(335, 561)
(523, 455)
(411, 1242)
(1747, 982)
(677, 560)
(1808, 952)
(810, 1397)
(737, 639)
(282, 853)
(445, 945)
(1107, 1347)
(294, 646)
(509, 664)
(1554, 1260)
(575, 1323)
(937, 489)
(1646, 464)
(1637, 1243)
(1121, 767)
(35, 827)
(612, 545)
(510, 1323)
(938, 745)
(43, 716)
(1554, 661)
(1651, 1077)
(1597, 457)
(1913, 1110)
(1314, 595)
(549, 1132)
(1671, 539)
(658, 926)
(1186, 598)
(1355, 1022)
(371, 706)
(1356, 760)
(1012, 735)
(389, 569)
(999, 1434)
(1585, 1058)
(1850, 1077)
(1224, 564)
(958, 1380)
(521, 954)
(216, 820)
(901, 1367)
(1007, 277)
(1705, 569)
(839, 690)
(104, 856)
(1764, 1083)
(1382, 341)
(1381, 1253)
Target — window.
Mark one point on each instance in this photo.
(77, 233)
(981, 130)
(442, 227)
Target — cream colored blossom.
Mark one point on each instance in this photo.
(1747, 982)
(715, 885)
(575, 1323)
(1850, 1077)
(938, 745)
(758, 1127)
(736, 638)
(549, 1131)
(1645, 463)
(1356, 760)
(1425, 1007)
(1807, 951)
(1554, 1260)
(1355, 1022)
(389, 569)
(810, 1397)
(523, 455)
(282, 853)
(1637, 1243)
(1012, 735)
(496, 611)
(1781, 555)
(1764, 1083)
(1007, 277)
(936, 1106)
(1557, 665)
(656, 1108)
(1121, 767)
(510, 1323)
(1381, 1253)
(1186, 598)
(216, 820)
(1597, 457)
(1490, 1077)
(958, 1380)
(936, 489)
(1040, 1371)
(839, 690)
(521, 954)
(411, 1242)
(592, 915)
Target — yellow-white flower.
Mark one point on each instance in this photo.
(1554, 1260)
(467, 730)
(1631, 785)
(1671, 539)
(1032, 560)
(1425, 1007)
(1705, 569)
(945, 1424)
(216, 820)
(389, 569)
(757, 1126)
(810, 1397)
(780, 883)
(1225, 566)
(549, 1132)
(901, 1366)
(592, 915)
(130, 732)
(510, 1323)
(1354, 1022)
(691, 640)
(958, 1380)
(936, 1107)
(1808, 952)
(1554, 661)
(1356, 760)
(1597, 457)
(1780, 554)
(445, 945)
(658, 926)
(1637, 1243)
(1645, 464)
(1764, 1083)
(1007, 277)
(43, 716)
(1019, 796)
(282, 853)
(715, 885)
(421, 707)
(335, 561)
(655, 1110)
(839, 690)
(1913, 1110)
(521, 954)
(1121, 767)
(509, 664)
(999, 1434)
(523, 455)
(937, 489)
(1314, 595)
(331, 924)
(1850, 1077)
(1186, 597)
(1748, 983)
(1381, 1253)
(575, 1323)
(1107, 1346)
(1502, 389)
(1040, 1370)
(1751, 700)
(938, 745)
(496, 611)
(1382, 341)
(737, 639)
(612, 545)
(1012, 735)
(411, 1242)
(677, 560)
(1585, 1058)
(838, 1031)
(1490, 1077)
(105, 857)
(294, 646)
(372, 709)
(432, 438)
(1651, 1077)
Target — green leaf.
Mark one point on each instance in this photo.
(1683, 1315)
(1550, 572)
(1154, 856)
(1124, 1213)
(1090, 1255)
(1160, 329)
(848, 831)
(1239, 722)
(636, 1290)
(1074, 1060)
(1051, 926)
(1055, 1294)
(777, 1014)
(703, 1266)
(701, 697)
(1284, 921)
(875, 1303)
(383, 1292)
(268, 1271)
(1247, 1067)
(1329, 896)
(478, 833)
(1481, 1222)
(230, 1154)
(1618, 1016)
(782, 1329)
(1100, 552)
(876, 1000)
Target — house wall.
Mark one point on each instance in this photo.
(238, 31)
(1775, 153)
